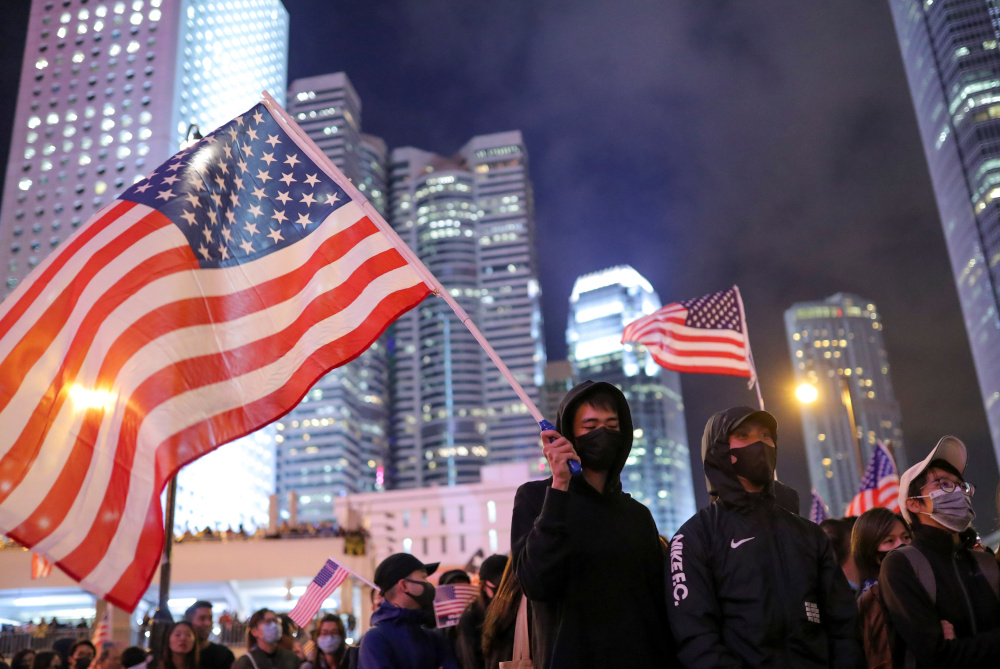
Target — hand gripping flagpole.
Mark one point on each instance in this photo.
(754, 379)
(318, 157)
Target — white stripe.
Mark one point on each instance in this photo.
(194, 341)
(192, 407)
(704, 361)
(35, 384)
(673, 328)
(663, 342)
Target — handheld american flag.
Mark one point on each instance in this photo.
(322, 586)
(40, 567)
(450, 601)
(880, 485)
(706, 335)
(102, 631)
(817, 510)
(199, 306)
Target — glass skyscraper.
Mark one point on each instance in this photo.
(336, 440)
(470, 219)
(949, 49)
(837, 346)
(658, 470)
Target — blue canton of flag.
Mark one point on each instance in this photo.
(242, 192)
(718, 311)
(879, 486)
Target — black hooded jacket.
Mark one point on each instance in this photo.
(592, 565)
(750, 584)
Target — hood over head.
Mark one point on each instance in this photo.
(721, 478)
(567, 412)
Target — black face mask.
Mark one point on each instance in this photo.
(599, 449)
(755, 462)
(81, 663)
(425, 599)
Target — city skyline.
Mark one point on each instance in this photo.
(809, 180)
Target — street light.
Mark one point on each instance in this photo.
(806, 393)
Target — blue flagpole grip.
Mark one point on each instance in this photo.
(574, 467)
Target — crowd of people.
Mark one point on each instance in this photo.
(745, 582)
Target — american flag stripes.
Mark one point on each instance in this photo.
(880, 485)
(102, 632)
(817, 510)
(705, 335)
(322, 586)
(199, 306)
(40, 567)
(450, 601)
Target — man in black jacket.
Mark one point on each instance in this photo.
(938, 577)
(586, 554)
(751, 584)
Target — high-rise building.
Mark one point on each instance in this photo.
(952, 62)
(108, 90)
(470, 219)
(837, 347)
(336, 440)
(658, 470)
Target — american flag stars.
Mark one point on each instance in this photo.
(237, 196)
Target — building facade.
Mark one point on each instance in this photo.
(837, 346)
(336, 440)
(952, 62)
(658, 470)
(108, 91)
(470, 220)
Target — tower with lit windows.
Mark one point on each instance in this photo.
(108, 91)
(336, 440)
(658, 470)
(837, 348)
(952, 62)
(470, 219)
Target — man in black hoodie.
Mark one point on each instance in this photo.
(751, 584)
(586, 554)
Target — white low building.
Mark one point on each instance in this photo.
(446, 524)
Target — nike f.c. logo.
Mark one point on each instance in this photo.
(736, 544)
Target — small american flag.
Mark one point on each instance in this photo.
(817, 511)
(321, 587)
(102, 633)
(705, 335)
(879, 487)
(40, 567)
(450, 601)
(199, 306)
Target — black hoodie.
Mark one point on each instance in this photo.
(591, 563)
(751, 584)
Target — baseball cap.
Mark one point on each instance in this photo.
(762, 417)
(950, 449)
(398, 566)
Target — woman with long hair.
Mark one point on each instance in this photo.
(47, 659)
(181, 649)
(498, 628)
(330, 648)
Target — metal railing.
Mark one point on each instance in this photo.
(13, 641)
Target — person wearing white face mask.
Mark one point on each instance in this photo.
(263, 635)
(939, 577)
(330, 651)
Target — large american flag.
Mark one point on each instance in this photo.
(450, 601)
(880, 485)
(199, 306)
(322, 586)
(705, 335)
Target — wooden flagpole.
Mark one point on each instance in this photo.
(318, 157)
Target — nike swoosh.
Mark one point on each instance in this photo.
(736, 544)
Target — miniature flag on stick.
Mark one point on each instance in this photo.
(40, 567)
(197, 307)
(880, 485)
(102, 633)
(322, 586)
(817, 511)
(450, 601)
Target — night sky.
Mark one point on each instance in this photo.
(769, 144)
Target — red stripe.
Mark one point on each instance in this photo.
(73, 245)
(702, 353)
(197, 311)
(242, 421)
